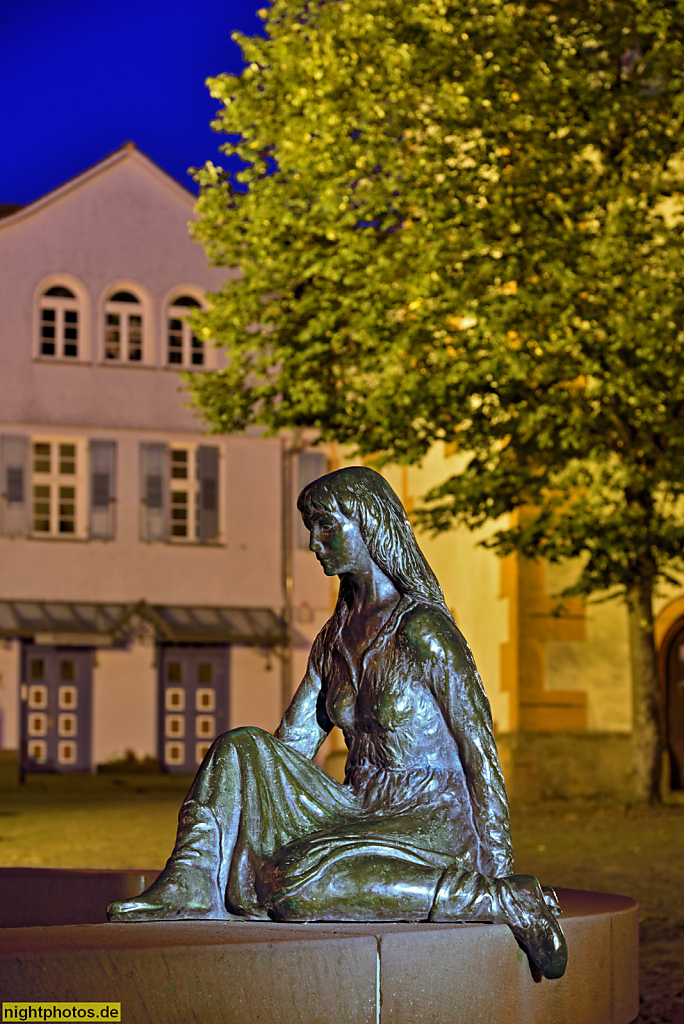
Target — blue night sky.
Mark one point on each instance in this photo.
(80, 77)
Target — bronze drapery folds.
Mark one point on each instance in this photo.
(419, 831)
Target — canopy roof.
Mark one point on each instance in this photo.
(103, 625)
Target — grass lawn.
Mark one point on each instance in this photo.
(130, 822)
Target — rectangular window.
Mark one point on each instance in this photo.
(183, 347)
(194, 493)
(56, 488)
(180, 483)
(46, 495)
(123, 331)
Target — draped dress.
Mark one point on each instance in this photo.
(423, 790)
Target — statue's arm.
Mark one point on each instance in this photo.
(459, 693)
(306, 724)
(470, 721)
(487, 790)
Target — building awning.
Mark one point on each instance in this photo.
(79, 624)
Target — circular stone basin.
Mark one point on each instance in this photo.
(52, 948)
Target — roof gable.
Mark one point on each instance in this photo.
(127, 154)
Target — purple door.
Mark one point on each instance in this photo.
(193, 704)
(56, 691)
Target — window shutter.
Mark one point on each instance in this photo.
(102, 489)
(208, 474)
(154, 491)
(14, 486)
(310, 466)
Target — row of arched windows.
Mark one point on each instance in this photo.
(125, 329)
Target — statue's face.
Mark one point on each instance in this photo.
(337, 544)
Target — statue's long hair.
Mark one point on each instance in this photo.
(363, 495)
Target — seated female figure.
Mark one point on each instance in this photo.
(419, 831)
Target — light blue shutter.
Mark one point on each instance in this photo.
(154, 487)
(102, 489)
(14, 486)
(208, 475)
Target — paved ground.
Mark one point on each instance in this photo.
(130, 822)
(634, 852)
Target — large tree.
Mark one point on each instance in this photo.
(459, 221)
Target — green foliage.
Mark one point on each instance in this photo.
(473, 236)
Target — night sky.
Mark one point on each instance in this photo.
(80, 77)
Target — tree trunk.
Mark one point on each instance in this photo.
(647, 741)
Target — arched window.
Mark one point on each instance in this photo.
(59, 323)
(183, 348)
(123, 328)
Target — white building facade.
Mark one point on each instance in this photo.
(156, 587)
(144, 574)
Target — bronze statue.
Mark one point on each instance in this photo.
(420, 829)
